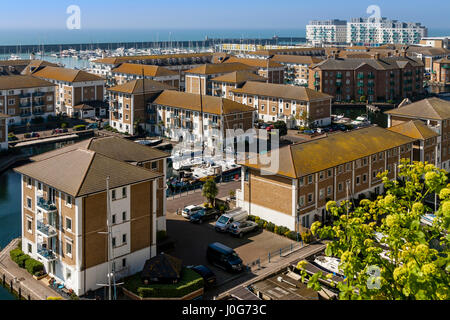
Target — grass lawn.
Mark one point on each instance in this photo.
(190, 282)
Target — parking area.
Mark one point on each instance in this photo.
(192, 240)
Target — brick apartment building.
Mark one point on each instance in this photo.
(201, 76)
(23, 98)
(131, 71)
(129, 104)
(337, 167)
(297, 67)
(64, 210)
(267, 68)
(441, 71)
(222, 85)
(375, 80)
(182, 110)
(73, 87)
(288, 103)
(435, 114)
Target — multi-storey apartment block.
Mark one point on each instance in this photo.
(297, 67)
(72, 87)
(3, 132)
(328, 31)
(339, 167)
(201, 76)
(23, 98)
(441, 71)
(374, 31)
(292, 104)
(65, 210)
(435, 113)
(183, 111)
(435, 42)
(131, 71)
(375, 79)
(267, 68)
(222, 85)
(129, 105)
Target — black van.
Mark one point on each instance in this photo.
(224, 257)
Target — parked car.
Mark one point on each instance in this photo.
(35, 135)
(208, 276)
(57, 131)
(189, 210)
(92, 126)
(224, 257)
(225, 221)
(270, 128)
(240, 228)
(204, 215)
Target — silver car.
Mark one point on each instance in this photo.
(241, 228)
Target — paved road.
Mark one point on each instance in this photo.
(195, 197)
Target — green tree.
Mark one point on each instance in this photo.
(282, 127)
(304, 118)
(410, 260)
(210, 191)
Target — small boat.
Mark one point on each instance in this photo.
(428, 219)
(14, 57)
(149, 142)
(329, 264)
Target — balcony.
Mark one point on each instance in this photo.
(25, 114)
(339, 76)
(24, 95)
(46, 254)
(25, 105)
(360, 84)
(46, 230)
(45, 205)
(39, 94)
(316, 83)
(317, 76)
(360, 76)
(371, 76)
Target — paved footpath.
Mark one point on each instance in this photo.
(21, 278)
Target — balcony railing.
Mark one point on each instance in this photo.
(25, 105)
(360, 76)
(46, 229)
(23, 115)
(45, 205)
(46, 253)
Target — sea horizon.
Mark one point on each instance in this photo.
(94, 36)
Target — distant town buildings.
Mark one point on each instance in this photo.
(326, 31)
(364, 32)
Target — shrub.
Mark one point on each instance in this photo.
(261, 223)
(63, 125)
(222, 208)
(79, 127)
(15, 254)
(251, 217)
(21, 260)
(282, 230)
(33, 267)
(190, 282)
(292, 235)
(306, 236)
(270, 226)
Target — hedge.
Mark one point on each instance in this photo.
(21, 260)
(190, 282)
(280, 230)
(15, 254)
(34, 267)
(79, 127)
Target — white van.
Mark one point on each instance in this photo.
(225, 221)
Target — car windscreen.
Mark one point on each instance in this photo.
(223, 219)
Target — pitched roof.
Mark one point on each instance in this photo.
(432, 108)
(137, 87)
(302, 159)
(22, 82)
(414, 129)
(65, 74)
(150, 71)
(112, 147)
(281, 90)
(117, 60)
(36, 64)
(259, 63)
(239, 77)
(191, 101)
(80, 172)
(215, 68)
(384, 63)
(284, 58)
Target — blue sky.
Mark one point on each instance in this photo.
(210, 14)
